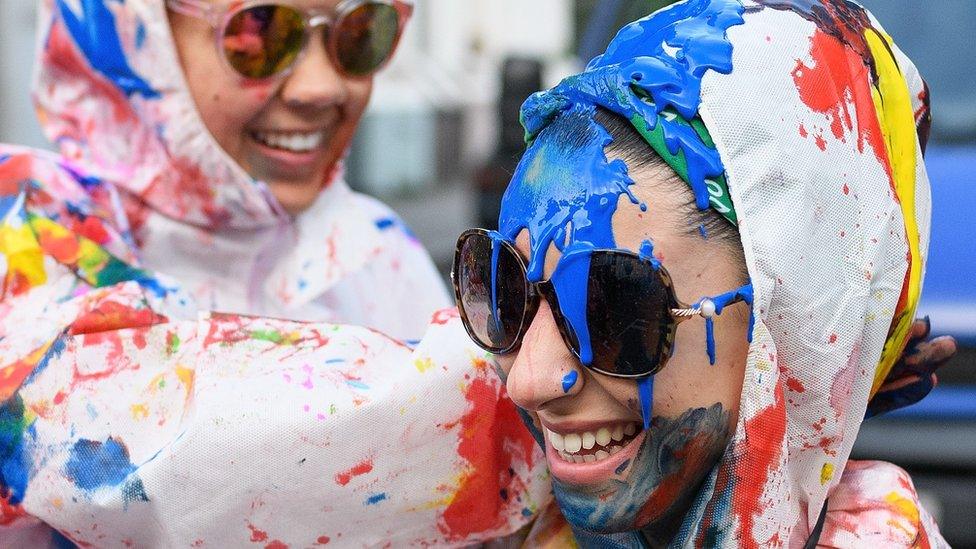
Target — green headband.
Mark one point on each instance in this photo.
(718, 189)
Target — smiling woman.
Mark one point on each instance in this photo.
(200, 171)
(705, 268)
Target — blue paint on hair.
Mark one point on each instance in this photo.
(98, 38)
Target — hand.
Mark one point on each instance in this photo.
(913, 376)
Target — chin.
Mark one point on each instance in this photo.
(295, 198)
(653, 492)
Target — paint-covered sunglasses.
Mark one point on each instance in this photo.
(261, 39)
(632, 312)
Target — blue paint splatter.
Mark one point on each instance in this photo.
(335, 361)
(645, 391)
(702, 231)
(386, 223)
(622, 467)
(721, 301)
(55, 351)
(357, 384)
(376, 498)
(15, 460)
(569, 380)
(95, 33)
(93, 464)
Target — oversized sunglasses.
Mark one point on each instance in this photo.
(260, 39)
(632, 313)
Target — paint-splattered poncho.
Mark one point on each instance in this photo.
(820, 122)
(131, 414)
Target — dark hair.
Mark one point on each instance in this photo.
(638, 154)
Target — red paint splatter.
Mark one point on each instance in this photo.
(847, 190)
(257, 534)
(803, 131)
(833, 338)
(759, 454)
(276, 544)
(10, 513)
(323, 540)
(360, 468)
(444, 316)
(821, 143)
(795, 385)
(491, 438)
(840, 76)
(111, 315)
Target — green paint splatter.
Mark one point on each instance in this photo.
(272, 336)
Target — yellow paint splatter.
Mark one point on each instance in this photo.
(826, 473)
(903, 505)
(423, 364)
(139, 411)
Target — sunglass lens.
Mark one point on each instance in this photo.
(629, 315)
(493, 318)
(366, 37)
(262, 41)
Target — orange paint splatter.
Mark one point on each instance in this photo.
(256, 533)
(760, 453)
(492, 437)
(360, 468)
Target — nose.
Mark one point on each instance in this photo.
(314, 83)
(545, 370)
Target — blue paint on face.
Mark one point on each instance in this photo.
(564, 193)
(97, 37)
(569, 380)
(93, 465)
(645, 391)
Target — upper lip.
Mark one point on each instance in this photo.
(580, 426)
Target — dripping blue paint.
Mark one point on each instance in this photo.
(645, 390)
(96, 35)
(569, 380)
(721, 301)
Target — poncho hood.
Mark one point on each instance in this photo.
(814, 123)
(111, 95)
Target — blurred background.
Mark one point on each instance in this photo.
(442, 138)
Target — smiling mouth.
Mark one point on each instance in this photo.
(592, 446)
(295, 142)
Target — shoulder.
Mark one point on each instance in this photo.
(387, 221)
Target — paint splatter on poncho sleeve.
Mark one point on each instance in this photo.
(128, 418)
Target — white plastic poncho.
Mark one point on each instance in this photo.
(131, 415)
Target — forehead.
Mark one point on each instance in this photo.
(565, 189)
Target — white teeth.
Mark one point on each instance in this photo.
(630, 429)
(614, 449)
(601, 454)
(556, 440)
(589, 458)
(295, 142)
(589, 439)
(603, 436)
(573, 443)
(618, 433)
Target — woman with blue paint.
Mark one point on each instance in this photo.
(706, 269)
(200, 170)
